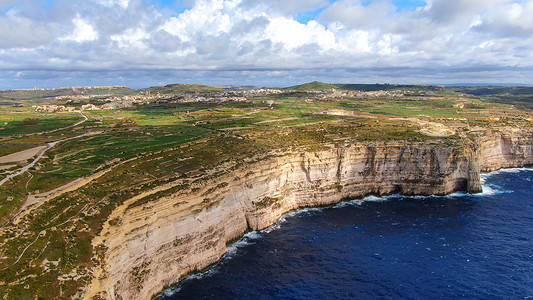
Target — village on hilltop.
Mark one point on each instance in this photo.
(145, 97)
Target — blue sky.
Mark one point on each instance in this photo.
(402, 4)
(180, 6)
(139, 43)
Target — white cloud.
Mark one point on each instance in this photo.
(283, 7)
(261, 34)
(208, 18)
(83, 31)
(121, 3)
(357, 14)
(509, 19)
(21, 32)
(355, 41)
(292, 34)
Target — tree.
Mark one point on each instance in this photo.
(30, 122)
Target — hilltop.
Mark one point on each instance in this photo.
(313, 86)
(43, 94)
(320, 86)
(183, 88)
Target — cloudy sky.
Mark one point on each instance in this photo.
(140, 43)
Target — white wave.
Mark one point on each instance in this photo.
(204, 274)
(171, 291)
(306, 210)
(492, 189)
(447, 196)
(272, 228)
(347, 203)
(248, 239)
(283, 218)
(488, 190)
(418, 197)
(485, 176)
(513, 170)
(454, 195)
(209, 272)
(373, 198)
(253, 235)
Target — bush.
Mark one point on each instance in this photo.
(30, 122)
(126, 122)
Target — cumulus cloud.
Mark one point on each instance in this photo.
(508, 20)
(358, 14)
(83, 31)
(265, 36)
(22, 32)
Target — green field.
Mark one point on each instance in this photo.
(521, 96)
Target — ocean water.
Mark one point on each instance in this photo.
(457, 246)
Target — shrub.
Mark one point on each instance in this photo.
(126, 122)
(30, 122)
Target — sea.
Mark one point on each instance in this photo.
(458, 246)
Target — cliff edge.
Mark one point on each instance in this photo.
(149, 247)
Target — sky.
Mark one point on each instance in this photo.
(142, 43)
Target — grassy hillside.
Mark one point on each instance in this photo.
(389, 87)
(182, 88)
(313, 86)
(518, 95)
(44, 94)
(320, 86)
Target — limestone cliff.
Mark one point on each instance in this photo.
(506, 150)
(151, 247)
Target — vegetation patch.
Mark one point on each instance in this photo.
(267, 202)
(30, 122)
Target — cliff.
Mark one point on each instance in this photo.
(512, 149)
(150, 247)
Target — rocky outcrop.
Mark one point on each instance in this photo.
(514, 149)
(150, 247)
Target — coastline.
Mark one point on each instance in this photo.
(241, 243)
(169, 242)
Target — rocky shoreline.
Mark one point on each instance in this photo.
(148, 248)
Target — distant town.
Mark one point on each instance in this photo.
(177, 93)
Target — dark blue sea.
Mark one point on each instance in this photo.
(457, 246)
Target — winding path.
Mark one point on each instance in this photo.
(50, 145)
(41, 154)
(85, 118)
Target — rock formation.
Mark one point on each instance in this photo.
(150, 247)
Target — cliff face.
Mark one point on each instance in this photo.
(155, 245)
(514, 149)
